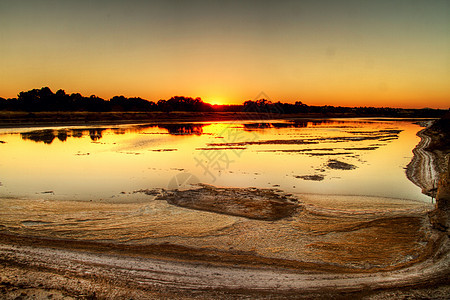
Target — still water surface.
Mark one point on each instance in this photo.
(108, 163)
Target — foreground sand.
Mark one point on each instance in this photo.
(328, 246)
(130, 275)
(349, 250)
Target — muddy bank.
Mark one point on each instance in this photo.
(380, 135)
(339, 165)
(311, 177)
(311, 231)
(26, 119)
(430, 170)
(440, 217)
(320, 250)
(111, 274)
(431, 156)
(252, 203)
(422, 170)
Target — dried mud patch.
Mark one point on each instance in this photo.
(164, 150)
(381, 135)
(251, 203)
(311, 177)
(339, 165)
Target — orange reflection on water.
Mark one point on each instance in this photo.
(109, 163)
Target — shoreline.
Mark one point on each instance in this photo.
(422, 170)
(23, 119)
(86, 269)
(46, 119)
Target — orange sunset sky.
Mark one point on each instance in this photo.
(350, 53)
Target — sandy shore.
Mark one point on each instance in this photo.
(385, 249)
(354, 254)
(89, 273)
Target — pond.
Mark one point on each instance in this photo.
(113, 163)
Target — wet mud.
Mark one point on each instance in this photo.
(311, 177)
(381, 135)
(164, 150)
(336, 249)
(339, 165)
(220, 148)
(252, 203)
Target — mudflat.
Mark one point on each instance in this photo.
(225, 242)
(321, 249)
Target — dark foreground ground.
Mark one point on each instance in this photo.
(21, 119)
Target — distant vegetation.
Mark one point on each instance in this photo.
(40, 100)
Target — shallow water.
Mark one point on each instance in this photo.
(109, 163)
(351, 204)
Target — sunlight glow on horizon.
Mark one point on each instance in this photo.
(351, 53)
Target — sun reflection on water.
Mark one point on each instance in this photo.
(110, 162)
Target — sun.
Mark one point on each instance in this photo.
(216, 101)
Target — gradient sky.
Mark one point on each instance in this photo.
(353, 53)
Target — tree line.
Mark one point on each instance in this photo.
(44, 99)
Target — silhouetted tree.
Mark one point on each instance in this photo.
(179, 103)
(45, 100)
(3, 103)
(263, 106)
(121, 103)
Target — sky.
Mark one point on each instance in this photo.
(350, 53)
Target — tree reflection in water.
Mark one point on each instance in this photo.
(47, 136)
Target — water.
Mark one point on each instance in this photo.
(109, 163)
(79, 184)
